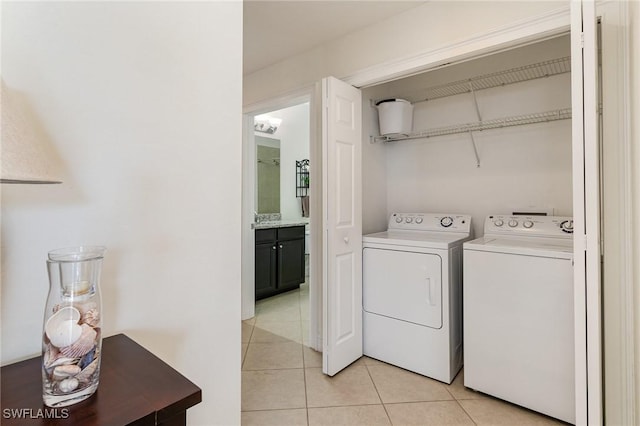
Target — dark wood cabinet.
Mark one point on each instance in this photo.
(279, 260)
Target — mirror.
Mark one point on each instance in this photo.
(268, 175)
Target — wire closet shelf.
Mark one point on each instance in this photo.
(487, 81)
(519, 120)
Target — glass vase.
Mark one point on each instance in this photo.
(72, 337)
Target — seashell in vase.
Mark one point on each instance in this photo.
(50, 355)
(91, 317)
(68, 385)
(61, 372)
(61, 360)
(86, 307)
(83, 345)
(62, 328)
(85, 375)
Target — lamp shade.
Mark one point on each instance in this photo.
(22, 157)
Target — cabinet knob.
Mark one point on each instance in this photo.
(280, 245)
(274, 247)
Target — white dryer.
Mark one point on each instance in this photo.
(412, 293)
(518, 313)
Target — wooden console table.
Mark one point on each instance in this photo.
(135, 388)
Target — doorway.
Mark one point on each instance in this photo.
(281, 132)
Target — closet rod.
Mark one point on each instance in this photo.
(519, 120)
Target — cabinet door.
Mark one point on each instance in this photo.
(290, 263)
(265, 269)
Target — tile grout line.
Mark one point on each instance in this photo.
(384, 407)
(304, 376)
(465, 411)
(304, 364)
(244, 355)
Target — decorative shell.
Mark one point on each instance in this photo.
(61, 360)
(68, 385)
(64, 371)
(50, 355)
(85, 375)
(62, 328)
(86, 307)
(91, 317)
(84, 344)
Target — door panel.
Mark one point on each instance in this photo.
(403, 285)
(290, 263)
(345, 297)
(265, 269)
(342, 236)
(345, 201)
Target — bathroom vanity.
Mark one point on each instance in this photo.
(279, 257)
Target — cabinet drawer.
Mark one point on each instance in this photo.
(291, 233)
(265, 235)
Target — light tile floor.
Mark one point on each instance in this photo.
(283, 384)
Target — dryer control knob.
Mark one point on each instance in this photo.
(567, 226)
(398, 219)
(527, 224)
(446, 221)
(499, 222)
(418, 220)
(409, 220)
(513, 223)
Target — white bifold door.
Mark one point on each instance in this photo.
(586, 212)
(342, 224)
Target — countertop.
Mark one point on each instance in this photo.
(281, 223)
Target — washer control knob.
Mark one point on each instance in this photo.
(409, 220)
(527, 224)
(446, 221)
(398, 219)
(513, 223)
(567, 226)
(499, 222)
(418, 220)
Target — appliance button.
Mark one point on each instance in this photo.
(409, 220)
(513, 223)
(527, 224)
(398, 219)
(418, 220)
(499, 222)
(446, 221)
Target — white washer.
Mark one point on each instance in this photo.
(412, 300)
(518, 313)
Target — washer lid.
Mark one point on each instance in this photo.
(437, 240)
(560, 248)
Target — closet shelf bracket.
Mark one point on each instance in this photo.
(475, 149)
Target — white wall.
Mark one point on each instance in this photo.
(293, 134)
(142, 102)
(524, 166)
(432, 25)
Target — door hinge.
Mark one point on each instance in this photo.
(582, 40)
